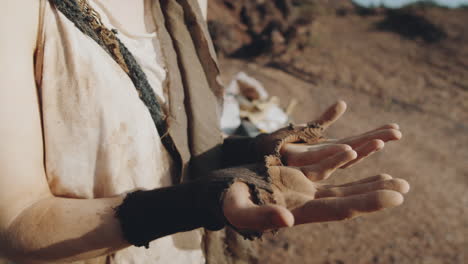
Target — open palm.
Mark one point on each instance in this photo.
(301, 198)
(338, 151)
(301, 201)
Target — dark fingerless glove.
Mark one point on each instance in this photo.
(148, 215)
(238, 150)
(245, 150)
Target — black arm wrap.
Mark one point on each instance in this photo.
(148, 215)
(239, 150)
(245, 150)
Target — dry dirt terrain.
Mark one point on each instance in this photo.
(410, 68)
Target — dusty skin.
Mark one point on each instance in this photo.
(300, 196)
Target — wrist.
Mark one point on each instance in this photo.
(148, 215)
(238, 151)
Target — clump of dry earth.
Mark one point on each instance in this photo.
(408, 66)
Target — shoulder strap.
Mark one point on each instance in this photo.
(88, 21)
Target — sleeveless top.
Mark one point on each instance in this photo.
(99, 137)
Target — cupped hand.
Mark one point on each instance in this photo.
(319, 155)
(301, 200)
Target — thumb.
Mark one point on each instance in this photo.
(242, 213)
(332, 114)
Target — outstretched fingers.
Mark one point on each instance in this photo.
(303, 154)
(383, 134)
(387, 126)
(380, 177)
(341, 208)
(365, 151)
(242, 213)
(326, 167)
(398, 185)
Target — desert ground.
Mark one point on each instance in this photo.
(385, 73)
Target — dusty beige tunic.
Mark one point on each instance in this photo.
(100, 140)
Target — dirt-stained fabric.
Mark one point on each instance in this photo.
(198, 67)
(97, 130)
(198, 81)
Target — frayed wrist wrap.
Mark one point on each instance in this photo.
(239, 150)
(148, 215)
(271, 144)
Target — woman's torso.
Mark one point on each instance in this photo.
(100, 140)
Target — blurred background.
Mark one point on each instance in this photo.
(407, 65)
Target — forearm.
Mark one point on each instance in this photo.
(239, 150)
(149, 215)
(245, 150)
(59, 229)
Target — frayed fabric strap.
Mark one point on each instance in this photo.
(88, 21)
(148, 215)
